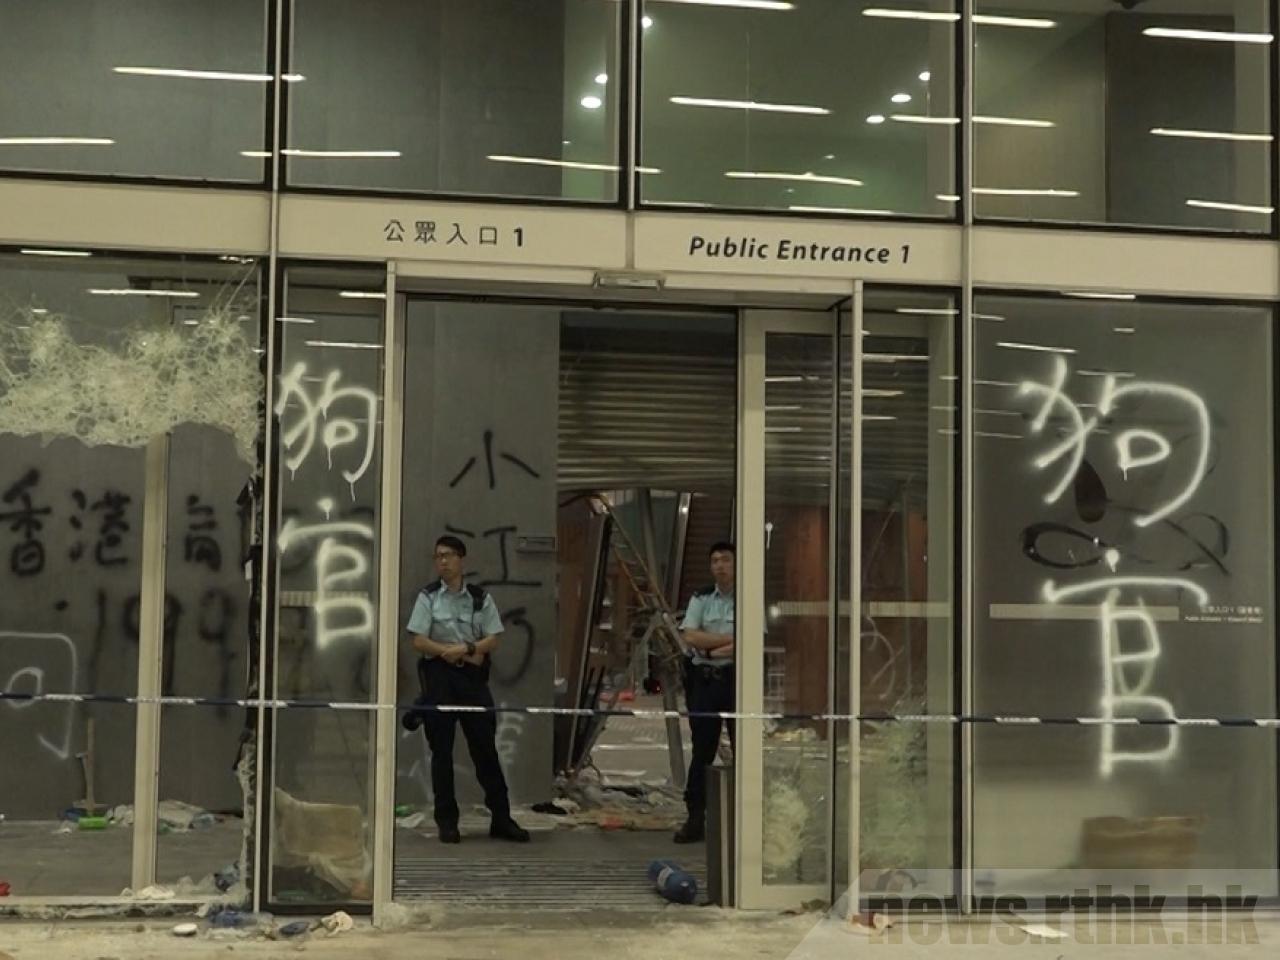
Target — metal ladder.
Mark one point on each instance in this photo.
(651, 625)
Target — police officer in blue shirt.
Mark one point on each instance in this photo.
(708, 632)
(455, 626)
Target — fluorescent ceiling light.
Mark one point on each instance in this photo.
(994, 383)
(568, 164)
(920, 118)
(889, 13)
(306, 320)
(1030, 23)
(784, 429)
(807, 177)
(901, 98)
(40, 310)
(876, 118)
(206, 74)
(856, 211)
(602, 78)
(55, 142)
(646, 22)
(785, 379)
(1014, 122)
(344, 344)
(1118, 374)
(329, 154)
(744, 4)
(878, 416)
(361, 295)
(1237, 207)
(38, 252)
(925, 76)
(876, 392)
(783, 408)
(1212, 135)
(1037, 347)
(1025, 192)
(893, 357)
(129, 292)
(591, 102)
(928, 311)
(1089, 295)
(1222, 36)
(1125, 329)
(948, 197)
(749, 105)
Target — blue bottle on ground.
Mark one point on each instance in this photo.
(672, 882)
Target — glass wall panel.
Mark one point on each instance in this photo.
(328, 405)
(97, 357)
(493, 97)
(149, 88)
(1151, 114)
(906, 796)
(817, 106)
(1124, 569)
(797, 596)
(211, 620)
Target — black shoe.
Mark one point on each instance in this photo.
(508, 830)
(450, 834)
(693, 831)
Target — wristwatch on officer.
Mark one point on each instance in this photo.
(471, 648)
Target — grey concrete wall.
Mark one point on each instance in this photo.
(477, 371)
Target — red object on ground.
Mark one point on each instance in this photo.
(611, 823)
(626, 696)
(4, 889)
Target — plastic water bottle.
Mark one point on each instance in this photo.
(672, 882)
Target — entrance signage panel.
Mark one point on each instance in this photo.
(409, 229)
(795, 247)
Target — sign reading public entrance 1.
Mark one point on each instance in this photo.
(747, 248)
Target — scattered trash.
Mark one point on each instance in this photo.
(402, 810)
(64, 828)
(672, 882)
(339, 922)
(185, 930)
(4, 888)
(295, 928)
(412, 820)
(227, 877)
(609, 822)
(555, 808)
(870, 923)
(121, 816)
(1042, 930)
(93, 823)
(239, 920)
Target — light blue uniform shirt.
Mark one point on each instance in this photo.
(712, 612)
(451, 618)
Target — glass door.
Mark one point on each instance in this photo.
(785, 611)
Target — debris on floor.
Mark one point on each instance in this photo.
(173, 816)
(339, 922)
(325, 840)
(4, 888)
(411, 821)
(870, 923)
(674, 883)
(185, 930)
(296, 928)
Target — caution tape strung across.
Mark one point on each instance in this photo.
(15, 697)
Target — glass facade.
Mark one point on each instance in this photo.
(1144, 115)
(175, 89)
(728, 121)
(498, 97)
(1085, 451)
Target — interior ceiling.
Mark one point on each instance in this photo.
(635, 412)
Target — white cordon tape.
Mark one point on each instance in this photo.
(951, 718)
